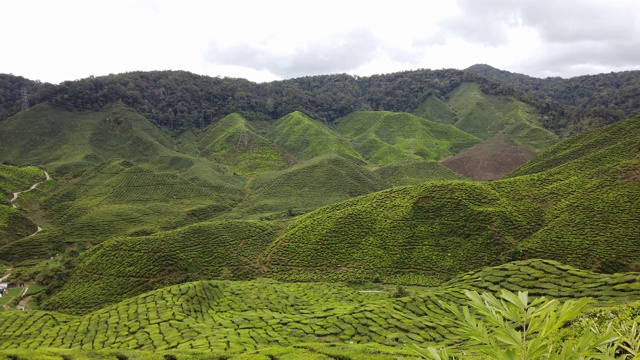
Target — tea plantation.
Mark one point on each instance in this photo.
(302, 239)
(227, 317)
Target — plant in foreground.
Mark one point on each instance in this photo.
(512, 327)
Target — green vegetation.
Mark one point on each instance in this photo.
(307, 186)
(513, 327)
(416, 173)
(17, 178)
(485, 115)
(384, 137)
(126, 266)
(436, 110)
(254, 317)
(175, 247)
(14, 224)
(232, 142)
(306, 138)
(412, 235)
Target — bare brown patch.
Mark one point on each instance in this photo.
(489, 160)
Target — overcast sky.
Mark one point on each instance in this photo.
(57, 40)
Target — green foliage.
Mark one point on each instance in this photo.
(14, 224)
(416, 173)
(512, 327)
(429, 233)
(306, 138)
(302, 188)
(485, 116)
(232, 317)
(232, 142)
(436, 110)
(127, 266)
(384, 137)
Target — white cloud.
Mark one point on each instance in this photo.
(259, 40)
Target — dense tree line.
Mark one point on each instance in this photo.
(178, 100)
(575, 104)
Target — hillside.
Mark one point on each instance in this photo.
(490, 160)
(583, 219)
(306, 138)
(307, 186)
(416, 173)
(485, 116)
(14, 222)
(226, 317)
(413, 235)
(233, 143)
(178, 101)
(385, 137)
(127, 266)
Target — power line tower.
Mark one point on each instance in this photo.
(410, 152)
(25, 99)
(243, 139)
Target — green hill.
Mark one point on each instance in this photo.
(611, 152)
(487, 115)
(226, 318)
(127, 266)
(306, 138)
(416, 173)
(68, 142)
(117, 174)
(436, 230)
(384, 137)
(436, 110)
(418, 235)
(307, 186)
(14, 223)
(232, 142)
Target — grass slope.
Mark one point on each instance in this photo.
(585, 213)
(117, 174)
(126, 266)
(68, 142)
(307, 186)
(485, 116)
(228, 318)
(436, 110)
(384, 137)
(418, 234)
(14, 223)
(232, 142)
(306, 138)
(416, 173)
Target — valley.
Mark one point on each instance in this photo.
(318, 217)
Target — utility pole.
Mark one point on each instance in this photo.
(243, 139)
(25, 99)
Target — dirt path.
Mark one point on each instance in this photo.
(6, 275)
(15, 196)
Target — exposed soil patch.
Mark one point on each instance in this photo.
(489, 160)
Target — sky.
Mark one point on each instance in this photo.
(58, 40)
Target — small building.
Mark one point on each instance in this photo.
(3, 289)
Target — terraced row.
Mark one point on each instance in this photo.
(233, 317)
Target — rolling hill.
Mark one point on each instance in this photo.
(306, 138)
(227, 318)
(385, 137)
(232, 142)
(279, 228)
(14, 222)
(485, 116)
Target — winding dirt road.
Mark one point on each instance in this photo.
(15, 196)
